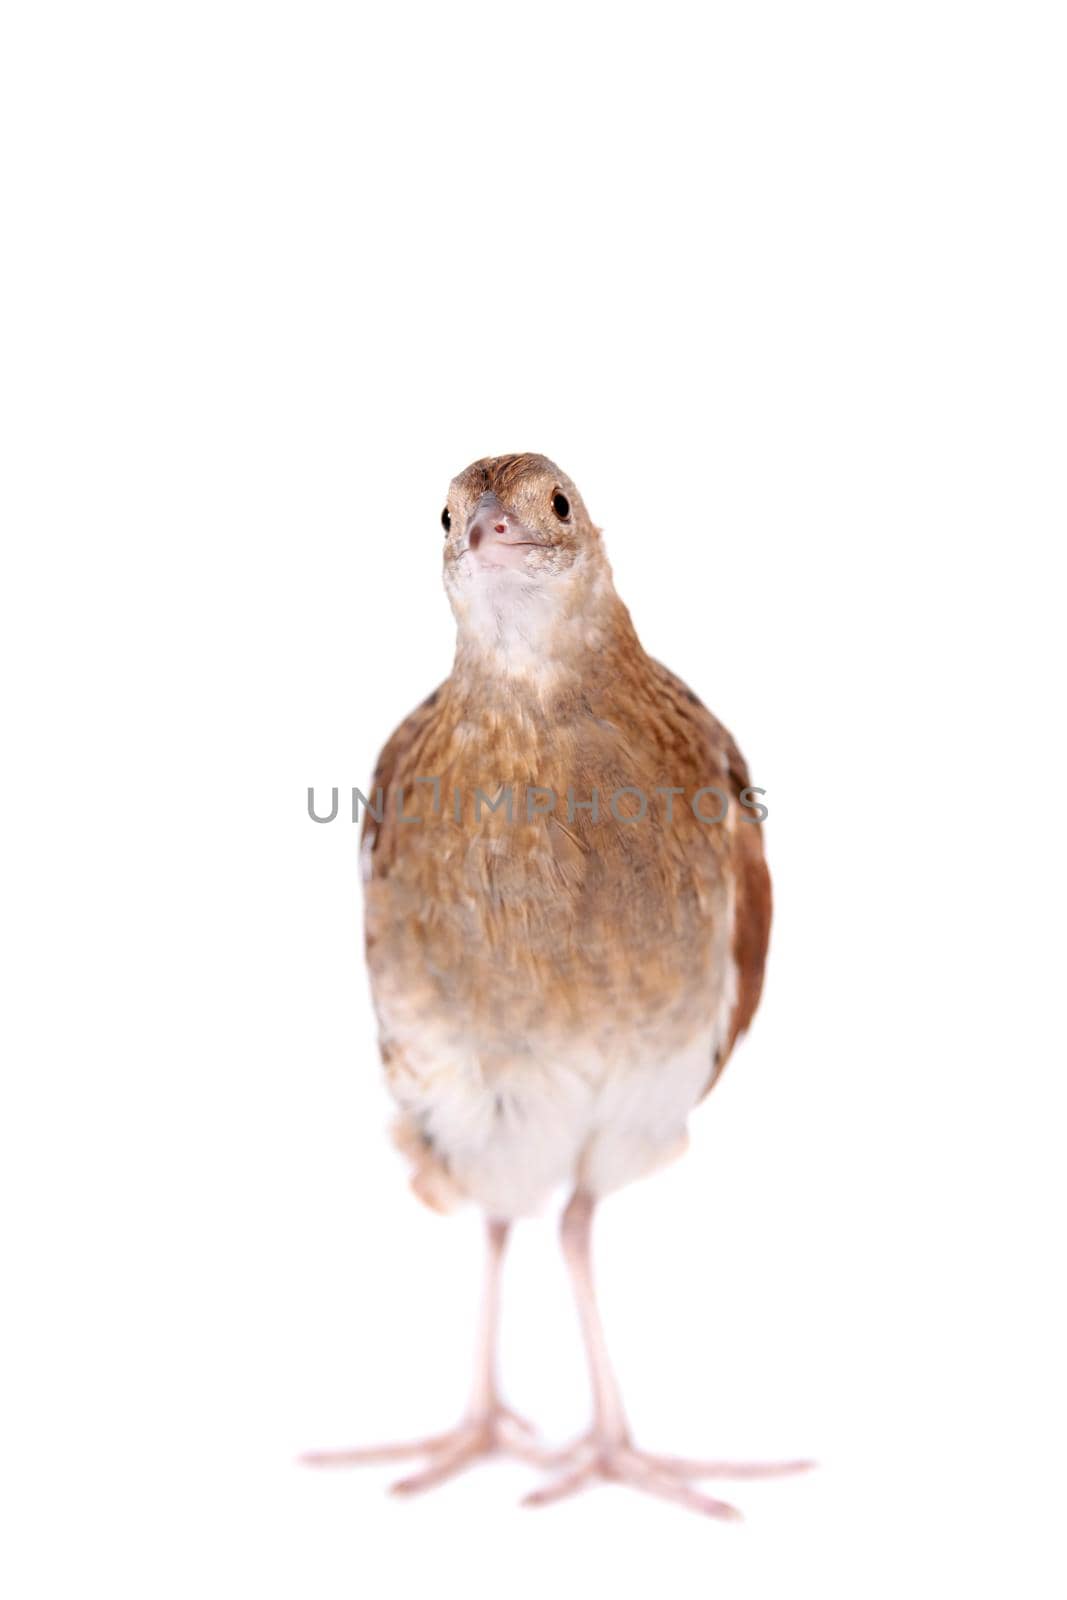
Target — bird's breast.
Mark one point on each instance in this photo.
(512, 926)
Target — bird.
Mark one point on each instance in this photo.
(567, 916)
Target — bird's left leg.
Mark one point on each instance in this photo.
(488, 1427)
(607, 1451)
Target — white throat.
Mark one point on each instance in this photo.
(537, 627)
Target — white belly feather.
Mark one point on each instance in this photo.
(509, 1142)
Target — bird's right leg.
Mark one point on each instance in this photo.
(487, 1428)
(607, 1451)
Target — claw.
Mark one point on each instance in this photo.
(730, 1469)
(638, 1471)
(452, 1462)
(590, 1460)
(501, 1432)
(375, 1453)
(571, 1483)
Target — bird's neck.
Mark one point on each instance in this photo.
(554, 643)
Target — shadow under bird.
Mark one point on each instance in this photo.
(560, 982)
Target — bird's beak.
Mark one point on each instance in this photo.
(495, 537)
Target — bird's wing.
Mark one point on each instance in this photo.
(752, 911)
(752, 881)
(400, 750)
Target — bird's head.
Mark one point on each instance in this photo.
(524, 567)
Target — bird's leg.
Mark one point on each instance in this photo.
(607, 1452)
(487, 1427)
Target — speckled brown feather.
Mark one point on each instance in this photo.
(557, 928)
(692, 746)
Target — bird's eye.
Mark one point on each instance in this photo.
(446, 520)
(561, 506)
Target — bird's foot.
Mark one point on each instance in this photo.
(595, 1459)
(498, 1431)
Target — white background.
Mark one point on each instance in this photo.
(781, 286)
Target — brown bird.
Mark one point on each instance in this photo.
(567, 916)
